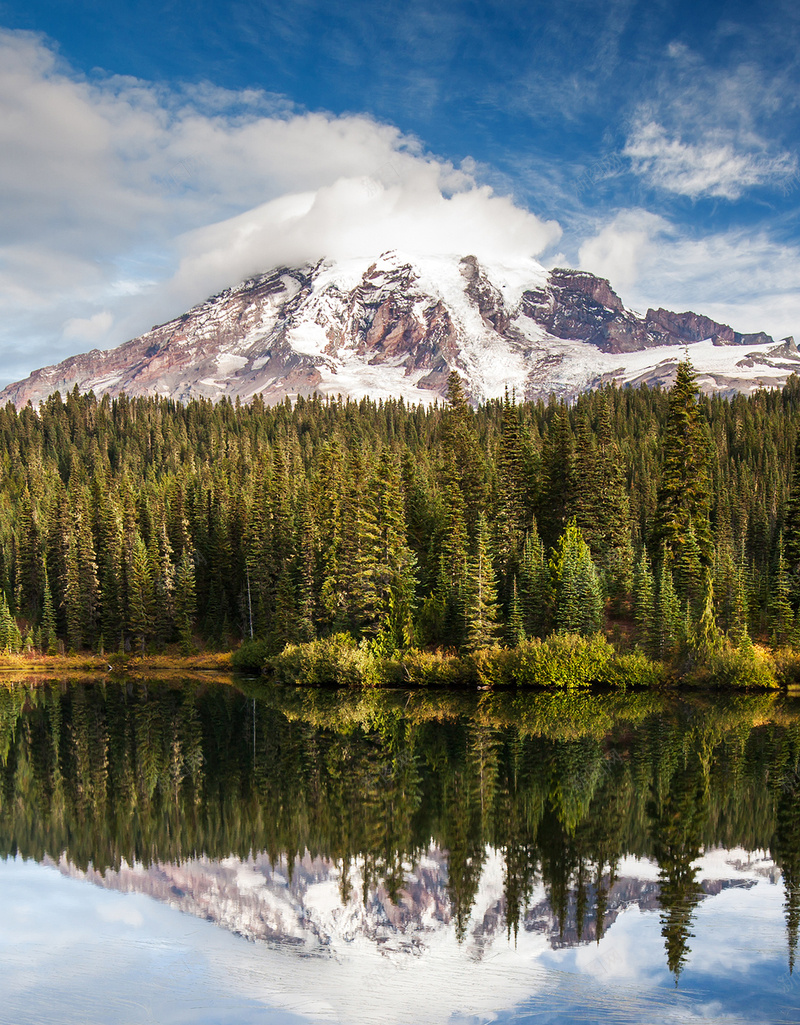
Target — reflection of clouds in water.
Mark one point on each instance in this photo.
(124, 915)
(77, 955)
(61, 942)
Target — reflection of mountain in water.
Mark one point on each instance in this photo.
(319, 907)
(542, 803)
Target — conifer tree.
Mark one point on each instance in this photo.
(791, 526)
(481, 609)
(141, 612)
(515, 628)
(556, 498)
(709, 637)
(9, 632)
(644, 609)
(72, 598)
(185, 599)
(575, 585)
(511, 505)
(284, 616)
(360, 545)
(306, 548)
(30, 559)
(738, 630)
(725, 574)
(462, 452)
(453, 563)
(587, 490)
(614, 554)
(48, 619)
(534, 585)
(396, 566)
(782, 614)
(684, 499)
(112, 579)
(668, 617)
(328, 493)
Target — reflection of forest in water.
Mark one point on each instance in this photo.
(564, 785)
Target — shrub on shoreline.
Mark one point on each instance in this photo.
(338, 660)
(561, 661)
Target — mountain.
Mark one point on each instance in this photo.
(398, 325)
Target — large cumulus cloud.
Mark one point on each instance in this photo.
(122, 202)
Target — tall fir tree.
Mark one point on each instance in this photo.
(481, 612)
(534, 585)
(511, 522)
(644, 607)
(683, 527)
(575, 583)
(670, 628)
(791, 528)
(556, 489)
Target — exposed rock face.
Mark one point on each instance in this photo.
(578, 305)
(689, 327)
(397, 326)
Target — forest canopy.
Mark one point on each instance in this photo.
(654, 515)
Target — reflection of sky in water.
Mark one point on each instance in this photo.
(75, 953)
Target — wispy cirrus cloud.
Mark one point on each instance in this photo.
(719, 166)
(713, 132)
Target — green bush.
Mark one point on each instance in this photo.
(250, 656)
(435, 669)
(335, 661)
(491, 666)
(631, 669)
(741, 667)
(787, 666)
(563, 660)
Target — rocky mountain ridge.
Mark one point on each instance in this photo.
(397, 326)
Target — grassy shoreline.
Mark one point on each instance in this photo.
(561, 662)
(89, 664)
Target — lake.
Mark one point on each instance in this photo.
(201, 852)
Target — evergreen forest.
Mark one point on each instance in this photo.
(665, 519)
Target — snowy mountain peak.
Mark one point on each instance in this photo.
(396, 325)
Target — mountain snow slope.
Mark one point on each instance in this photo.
(396, 326)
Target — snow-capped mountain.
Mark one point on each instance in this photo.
(398, 325)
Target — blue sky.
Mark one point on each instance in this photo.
(146, 150)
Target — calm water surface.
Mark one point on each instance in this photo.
(200, 853)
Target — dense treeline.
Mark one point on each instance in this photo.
(564, 785)
(667, 517)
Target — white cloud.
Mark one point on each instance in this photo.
(339, 221)
(110, 187)
(715, 167)
(617, 251)
(87, 329)
(742, 278)
(712, 132)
